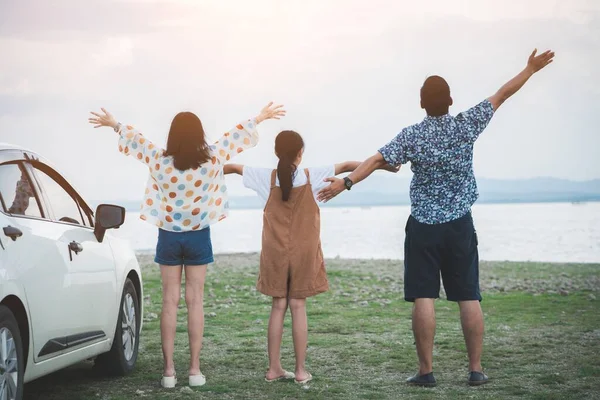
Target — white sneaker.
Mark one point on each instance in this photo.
(168, 382)
(197, 380)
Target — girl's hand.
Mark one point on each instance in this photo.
(270, 112)
(103, 120)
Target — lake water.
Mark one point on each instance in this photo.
(556, 232)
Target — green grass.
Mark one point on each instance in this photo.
(542, 338)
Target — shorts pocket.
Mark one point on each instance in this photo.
(197, 248)
(168, 249)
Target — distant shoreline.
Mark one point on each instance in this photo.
(390, 190)
(351, 204)
(145, 253)
(130, 207)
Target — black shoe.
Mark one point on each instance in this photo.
(427, 380)
(477, 378)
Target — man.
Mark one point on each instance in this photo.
(440, 235)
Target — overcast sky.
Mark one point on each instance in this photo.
(348, 71)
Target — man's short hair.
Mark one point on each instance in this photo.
(435, 96)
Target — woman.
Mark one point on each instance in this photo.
(185, 194)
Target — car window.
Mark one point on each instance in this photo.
(18, 196)
(63, 206)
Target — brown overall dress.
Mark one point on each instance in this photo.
(291, 260)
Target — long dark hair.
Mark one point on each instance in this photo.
(288, 145)
(186, 142)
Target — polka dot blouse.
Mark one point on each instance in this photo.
(187, 200)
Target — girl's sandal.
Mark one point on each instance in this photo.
(286, 376)
(168, 382)
(197, 380)
(302, 382)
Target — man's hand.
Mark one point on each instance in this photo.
(365, 169)
(535, 63)
(336, 187)
(270, 112)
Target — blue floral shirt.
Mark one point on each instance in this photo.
(440, 150)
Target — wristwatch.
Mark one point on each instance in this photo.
(348, 183)
(118, 127)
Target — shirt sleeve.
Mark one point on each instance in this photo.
(395, 152)
(244, 136)
(259, 180)
(475, 119)
(132, 142)
(318, 175)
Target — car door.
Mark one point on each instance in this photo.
(90, 276)
(31, 253)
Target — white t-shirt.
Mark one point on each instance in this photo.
(259, 179)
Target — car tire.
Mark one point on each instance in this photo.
(12, 363)
(121, 358)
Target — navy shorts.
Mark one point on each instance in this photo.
(184, 248)
(449, 248)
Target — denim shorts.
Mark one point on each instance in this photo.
(184, 248)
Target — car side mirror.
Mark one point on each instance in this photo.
(108, 216)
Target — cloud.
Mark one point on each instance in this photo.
(14, 89)
(116, 51)
(349, 73)
(66, 19)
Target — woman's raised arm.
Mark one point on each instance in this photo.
(244, 135)
(130, 140)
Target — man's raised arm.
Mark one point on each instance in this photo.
(360, 173)
(390, 157)
(534, 64)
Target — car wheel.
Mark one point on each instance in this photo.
(121, 358)
(12, 364)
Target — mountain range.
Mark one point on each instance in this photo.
(394, 190)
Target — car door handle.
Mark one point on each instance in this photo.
(12, 232)
(74, 247)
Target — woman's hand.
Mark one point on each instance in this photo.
(270, 112)
(103, 120)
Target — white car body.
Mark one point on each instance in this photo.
(67, 303)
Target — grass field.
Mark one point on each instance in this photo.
(542, 338)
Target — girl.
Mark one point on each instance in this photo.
(291, 261)
(185, 194)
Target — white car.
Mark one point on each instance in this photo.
(69, 291)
